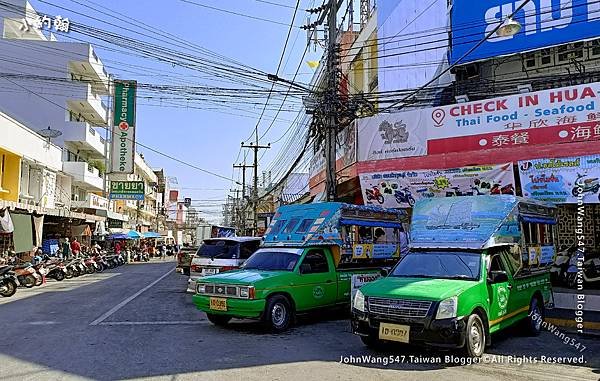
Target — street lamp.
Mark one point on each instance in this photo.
(509, 28)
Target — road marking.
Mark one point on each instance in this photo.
(124, 302)
(175, 322)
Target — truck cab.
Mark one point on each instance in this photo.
(476, 266)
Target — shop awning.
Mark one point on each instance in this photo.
(132, 234)
(118, 236)
(151, 235)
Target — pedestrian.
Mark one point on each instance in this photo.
(75, 247)
(163, 251)
(66, 249)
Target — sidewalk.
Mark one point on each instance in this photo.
(565, 305)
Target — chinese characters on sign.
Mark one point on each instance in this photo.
(127, 190)
(58, 23)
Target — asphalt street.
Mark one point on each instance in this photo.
(137, 322)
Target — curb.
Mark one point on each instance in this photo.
(592, 329)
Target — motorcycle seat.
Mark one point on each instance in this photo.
(587, 181)
(22, 266)
(4, 269)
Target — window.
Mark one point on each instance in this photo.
(248, 248)
(314, 262)
(277, 227)
(290, 226)
(496, 263)
(303, 228)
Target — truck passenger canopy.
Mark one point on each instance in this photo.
(362, 232)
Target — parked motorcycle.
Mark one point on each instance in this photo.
(90, 264)
(56, 269)
(8, 281)
(591, 185)
(404, 197)
(498, 189)
(26, 275)
(558, 271)
(590, 273)
(374, 194)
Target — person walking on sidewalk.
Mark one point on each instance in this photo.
(75, 247)
(66, 249)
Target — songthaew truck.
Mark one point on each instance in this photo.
(311, 258)
(477, 264)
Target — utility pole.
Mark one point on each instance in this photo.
(331, 103)
(236, 220)
(243, 167)
(255, 147)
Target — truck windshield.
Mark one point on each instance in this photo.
(224, 249)
(272, 260)
(439, 265)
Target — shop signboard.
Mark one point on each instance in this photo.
(557, 180)
(115, 224)
(544, 23)
(401, 189)
(127, 190)
(123, 131)
(391, 136)
(562, 115)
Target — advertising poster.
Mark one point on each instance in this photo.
(402, 189)
(390, 136)
(127, 190)
(345, 155)
(557, 180)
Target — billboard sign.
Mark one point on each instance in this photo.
(544, 23)
(123, 131)
(127, 190)
(401, 189)
(561, 180)
(391, 136)
(563, 115)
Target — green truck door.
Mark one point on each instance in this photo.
(316, 284)
(499, 294)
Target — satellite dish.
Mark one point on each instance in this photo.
(50, 133)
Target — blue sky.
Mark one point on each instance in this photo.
(207, 139)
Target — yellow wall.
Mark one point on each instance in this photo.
(11, 176)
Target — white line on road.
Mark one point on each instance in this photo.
(124, 302)
(174, 322)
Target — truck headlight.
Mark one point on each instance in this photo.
(447, 308)
(247, 292)
(200, 288)
(359, 301)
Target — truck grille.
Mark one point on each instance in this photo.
(221, 290)
(399, 308)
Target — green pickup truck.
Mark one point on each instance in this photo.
(306, 263)
(476, 266)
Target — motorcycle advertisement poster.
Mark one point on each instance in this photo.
(401, 189)
(558, 180)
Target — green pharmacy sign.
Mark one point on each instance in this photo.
(123, 130)
(127, 190)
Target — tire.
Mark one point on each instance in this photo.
(572, 280)
(411, 201)
(40, 281)
(380, 199)
(186, 272)
(69, 273)
(29, 281)
(219, 320)
(474, 337)
(10, 287)
(532, 325)
(76, 272)
(574, 192)
(91, 269)
(59, 275)
(278, 314)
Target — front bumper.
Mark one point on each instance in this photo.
(448, 333)
(239, 308)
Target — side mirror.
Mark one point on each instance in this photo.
(384, 272)
(497, 277)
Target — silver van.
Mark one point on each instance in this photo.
(217, 255)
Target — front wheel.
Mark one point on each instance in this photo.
(29, 281)
(38, 282)
(69, 273)
(59, 275)
(474, 337)
(220, 320)
(532, 325)
(278, 313)
(8, 288)
(380, 199)
(411, 201)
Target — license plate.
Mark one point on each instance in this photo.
(394, 332)
(218, 304)
(210, 271)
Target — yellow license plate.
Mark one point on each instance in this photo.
(394, 332)
(218, 304)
